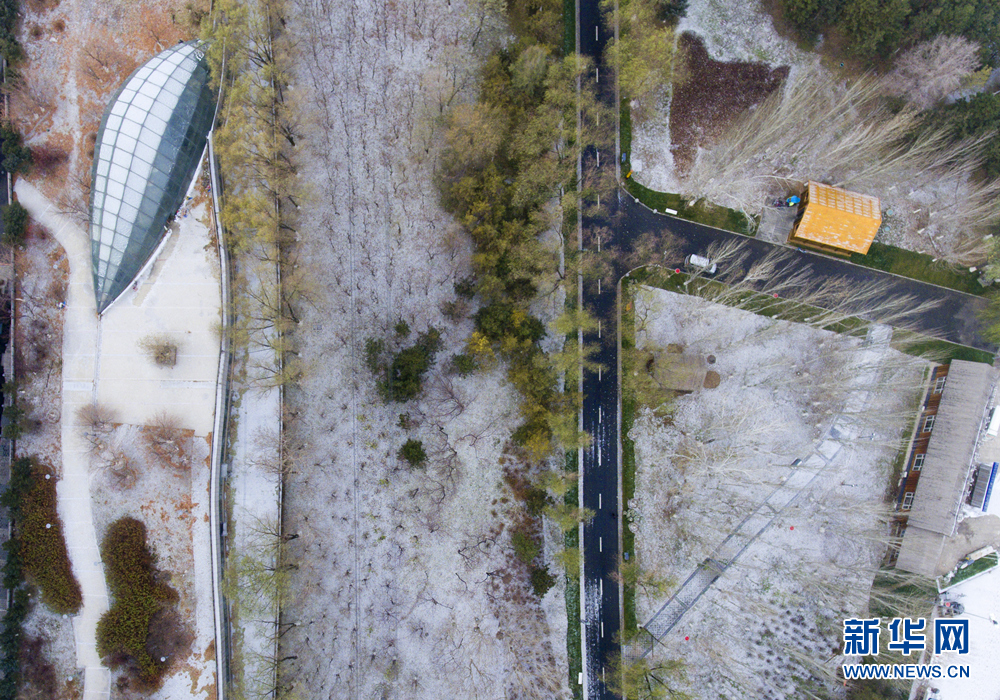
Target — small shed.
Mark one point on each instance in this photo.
(837, 221)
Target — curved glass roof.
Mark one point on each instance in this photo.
(148, 146)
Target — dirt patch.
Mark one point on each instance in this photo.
(713, 97)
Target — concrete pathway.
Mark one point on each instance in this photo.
(80, 341)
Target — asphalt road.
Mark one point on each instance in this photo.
(954, 319)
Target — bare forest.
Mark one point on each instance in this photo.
(401, 575)
(795, 408)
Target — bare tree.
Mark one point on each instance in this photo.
(929, 71)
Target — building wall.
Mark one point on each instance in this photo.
(918, 449)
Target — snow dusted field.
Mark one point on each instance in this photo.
(404, 587)
(770, 626)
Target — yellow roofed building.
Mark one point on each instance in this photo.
(836, 221)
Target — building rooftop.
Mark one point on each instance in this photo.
(838, 219)
(148, 146)
(951, 449)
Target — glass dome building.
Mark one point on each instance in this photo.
(148, 146)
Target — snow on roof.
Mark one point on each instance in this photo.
(148, 145)
(837, 218)
(950, 451)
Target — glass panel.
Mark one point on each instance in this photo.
(103, 166)
(132, 197)
(115, 190)
(128, 212)
(116, 257)
(128, 93)
(155, 124)
(112, 205)
(144, 152)
(119, 172)
(126, 143)
(174, 86)
(136, 113)
(144, 72)
(130, 128)
(150, 88)
(121, 159)
(143, 102)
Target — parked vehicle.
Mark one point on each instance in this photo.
(700, 263)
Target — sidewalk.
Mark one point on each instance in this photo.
(80, 339)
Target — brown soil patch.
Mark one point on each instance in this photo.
(712, 379)
(713, 97)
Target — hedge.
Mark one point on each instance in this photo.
(40, 544)
(123, 630)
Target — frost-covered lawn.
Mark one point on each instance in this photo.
(770, 626)
(404, 586)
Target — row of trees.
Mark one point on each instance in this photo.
(879, 27)
(506, 159)
(254, 144)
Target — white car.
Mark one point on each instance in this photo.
(700, 263)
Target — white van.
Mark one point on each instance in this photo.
(698, 262)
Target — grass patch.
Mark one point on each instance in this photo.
(977, 567)
(569, 27)
(574, 650)
(702, 211)
(943, 351)
(918, 266)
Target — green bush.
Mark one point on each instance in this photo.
(406, 371)
(41, 546)
(15, 224)
(541, 580)
(463, 365)
(466, 287)
(499, 320)
(123, 630)
(536, 499)
(525, 546)
(413, 452)
(16, 156)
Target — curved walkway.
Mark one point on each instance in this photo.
(80, 340)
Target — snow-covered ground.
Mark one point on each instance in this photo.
(770, 626)
(405, 586)
(982, 610)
